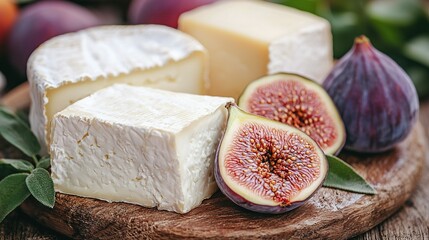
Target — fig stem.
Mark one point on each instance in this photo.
(362, 39)
(362, 43)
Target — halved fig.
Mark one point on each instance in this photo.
(266, 166)
(299, 102)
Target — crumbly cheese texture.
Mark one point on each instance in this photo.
(72, 66)
(249, 39)
(139, 145)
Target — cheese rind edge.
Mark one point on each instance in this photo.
(127, 156)
(110, 52)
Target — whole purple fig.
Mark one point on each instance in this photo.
(41, 21)
(375, 97)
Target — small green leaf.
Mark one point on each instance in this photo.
(18, 164)
(23, 116)
(10, 166)
(418, 50)
(40, 184)
(17, 133)
(304, 5)
(395, 12)
(13, 192)
(44, 162)
(342, 176)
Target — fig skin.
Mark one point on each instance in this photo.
(41, 21)
(375, 97)
(242, 202)
(165, 12)
(323, 105)
(248, 203)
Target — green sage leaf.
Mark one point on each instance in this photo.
(17, 133)
(395, 12)
(306, 5)
(342, 176)
(44, 162)
(18, 164)
(418, 50)
(13, 192)
(23, 116)
(40, 184)
(10, 166)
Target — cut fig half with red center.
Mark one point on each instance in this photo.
(267, 166)
(299, 102)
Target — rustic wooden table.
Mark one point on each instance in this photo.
(410, 222)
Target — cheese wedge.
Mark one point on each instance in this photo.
(139, 145)
(72, 66)
(249, 39)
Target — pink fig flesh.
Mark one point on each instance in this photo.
(299, 102)
(266, 166)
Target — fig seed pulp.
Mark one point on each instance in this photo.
(266, 166)
(299, 102)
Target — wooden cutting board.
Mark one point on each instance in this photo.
(330, 214)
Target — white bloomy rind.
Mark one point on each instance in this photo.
(291, 53)
(72, 66)
(139, 145)
(238, 119)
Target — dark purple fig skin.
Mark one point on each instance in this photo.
(375, 97)
(165, 12)
(41, 21)
(242, 202)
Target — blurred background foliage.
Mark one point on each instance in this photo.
(399, 28)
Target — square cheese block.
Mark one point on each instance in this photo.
(250, 39)
(72, 66)
(139, 145)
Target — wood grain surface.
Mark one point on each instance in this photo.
(330, 214)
